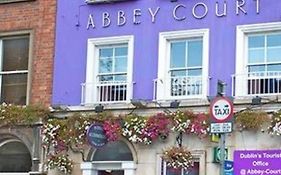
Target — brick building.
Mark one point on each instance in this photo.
(26, 54)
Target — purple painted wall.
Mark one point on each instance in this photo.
(72, 35)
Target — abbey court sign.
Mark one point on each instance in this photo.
(257, 162)
(179, 12)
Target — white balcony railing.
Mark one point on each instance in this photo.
(256, 83)
(105, 92)
(180, 87)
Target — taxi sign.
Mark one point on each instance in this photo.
(221, 110)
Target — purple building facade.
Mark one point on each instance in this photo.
(115, 53)
(77, 22)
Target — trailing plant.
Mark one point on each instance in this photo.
(190, 123)
(112, 129)
(251, 120)
(178, 158)
(60, 162)
(133, 129)
(180, 121)
(157, 126)
(12, 115)
(275, 124)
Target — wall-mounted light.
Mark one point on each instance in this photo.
(99, 108)
(256, 100)
(175, 104)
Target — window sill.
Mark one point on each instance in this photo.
(13, 1)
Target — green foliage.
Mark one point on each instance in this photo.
(251, 120)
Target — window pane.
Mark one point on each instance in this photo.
(113, 151)
(13, 89)
(14, 157)
(195, 72)
(194, 170)
(257, 68)
(256, 56)
(274, 54)
(121, 64)
(274, 40)
(120, 78)
(194, 53)
(105, 65)
(177, 73)
(121, 51)
(15, 54)
(275, 67)
(106, 52)
(178, 53)
(256, 41)
(106, 78)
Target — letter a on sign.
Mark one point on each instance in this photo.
(221, 109)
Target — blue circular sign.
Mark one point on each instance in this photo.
(96, 135)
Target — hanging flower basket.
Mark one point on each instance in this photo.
(178, 158)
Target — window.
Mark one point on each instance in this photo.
(14, 157)
(260, 73)
(183, 65)
(114, 158)
(170, 171)
(198, 167)
(109, 70)
(14, 55)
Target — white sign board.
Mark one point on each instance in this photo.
(217, 128)
(221, 109)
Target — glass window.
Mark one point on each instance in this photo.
(114, 151)
(186, 55)
(193, 171)
(14, 157)
(264, 63)
(113, 63)
(186, 67)
(14, 69)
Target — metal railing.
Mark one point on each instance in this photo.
(181, 86)
(256, 83)
(104, 92)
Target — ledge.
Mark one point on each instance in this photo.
(13, 1)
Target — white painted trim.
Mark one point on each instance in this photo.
(92, 63)
(241, 50)
(164, 57)
(92, 168)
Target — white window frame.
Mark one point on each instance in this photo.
(242, 32)
(163, 92)
(92, 168)
(92, 65)
(198, 155)
(28, 71)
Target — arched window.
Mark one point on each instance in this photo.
(115, 151)
(114, 158)
(14, 157)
